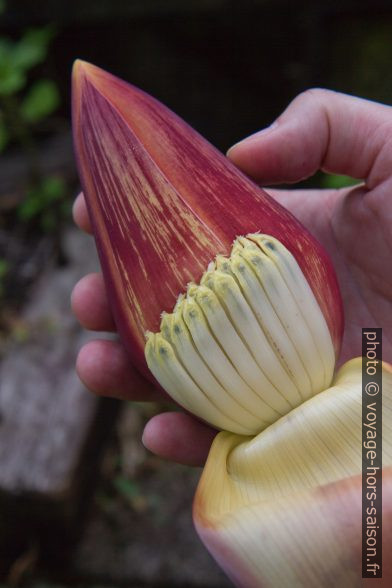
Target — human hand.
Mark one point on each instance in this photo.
(336, 133)
(319, 130)
(105, 369)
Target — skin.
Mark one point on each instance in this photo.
(320, 130)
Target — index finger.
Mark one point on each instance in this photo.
(80, 214)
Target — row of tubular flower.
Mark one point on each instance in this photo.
(226, 302)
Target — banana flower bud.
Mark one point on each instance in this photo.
(164, 202)
(227, 302)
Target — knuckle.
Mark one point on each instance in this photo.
(315, 95)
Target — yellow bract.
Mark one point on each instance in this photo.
(286, 504)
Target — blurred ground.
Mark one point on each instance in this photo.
(141, 520)
(134, 526)
(81, 501)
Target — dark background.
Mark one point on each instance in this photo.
(227, 67)
(117, 516)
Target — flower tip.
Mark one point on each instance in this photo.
(89, 80)
(83, 71)
(80, 71)
(82, 68)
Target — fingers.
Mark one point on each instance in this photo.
(325, 130)
(90, 304)
(80, 214)
(179, 437)
(105, 369)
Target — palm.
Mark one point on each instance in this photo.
(352, 226)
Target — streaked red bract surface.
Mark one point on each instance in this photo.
(163, 202)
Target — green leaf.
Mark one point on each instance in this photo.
(335, 181)
(17, 58)
(11, 80)
(40, 198)
(32, 48)
(53, 188)
(3, 6)
(41, 100)
(31, 205)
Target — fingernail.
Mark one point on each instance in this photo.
(254, 136)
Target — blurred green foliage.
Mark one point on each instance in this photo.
(24, 104)
(360, 54)
(336, 181)
(45, 201)
(41, 100)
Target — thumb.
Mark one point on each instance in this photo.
(324, 130)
